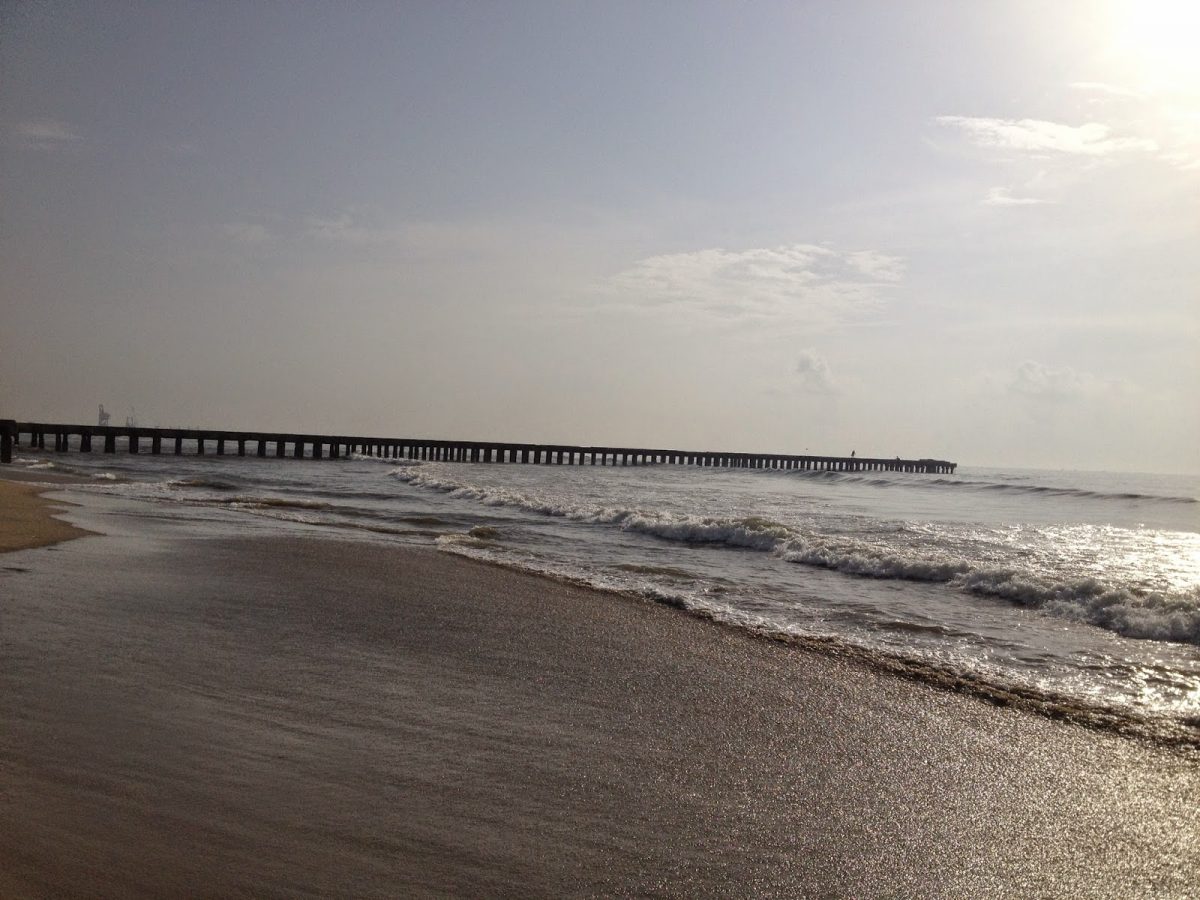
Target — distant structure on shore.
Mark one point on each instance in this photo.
(103, 418)
(314, 446)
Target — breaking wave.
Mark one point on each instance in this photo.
(876, 479)
(990, 686)
(278, 503)
(211, 484)
(1130, 612)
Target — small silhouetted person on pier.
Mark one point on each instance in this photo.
(852, 454)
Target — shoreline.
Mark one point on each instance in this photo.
(355, 719)
(1176, 736)
(27, 519)
(1173, 735)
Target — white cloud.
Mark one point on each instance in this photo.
(46, 134)
(814, 372)
(803, 282)
(1001, 196)
(1039, 137)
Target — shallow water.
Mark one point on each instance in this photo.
(1076, 589)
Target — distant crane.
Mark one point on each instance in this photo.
(104, 417)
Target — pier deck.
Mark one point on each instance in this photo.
(109, 438)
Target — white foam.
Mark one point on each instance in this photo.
(1173, 616)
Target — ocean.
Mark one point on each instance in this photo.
(1074, 594)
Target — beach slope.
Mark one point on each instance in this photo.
(276, 717)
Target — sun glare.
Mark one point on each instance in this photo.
(1160, 39)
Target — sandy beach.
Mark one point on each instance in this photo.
(279, 717)
(26, 518)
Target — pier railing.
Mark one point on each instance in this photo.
(133, 439)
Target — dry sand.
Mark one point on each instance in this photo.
(283, 717)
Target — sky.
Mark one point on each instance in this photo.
(968, 231)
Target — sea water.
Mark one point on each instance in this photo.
(1074, 593)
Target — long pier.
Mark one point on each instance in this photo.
(83, 438)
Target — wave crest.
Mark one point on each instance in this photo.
(1168, 616)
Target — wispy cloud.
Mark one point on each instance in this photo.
(1035, 379)
(802, 282)
(1002, 196)
(1102, 88)
(247, 232)
(348, 230)
(1059, 384)
(1040, 137)
(814, 373)
(46, 134)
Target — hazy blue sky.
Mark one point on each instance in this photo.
(965, 230)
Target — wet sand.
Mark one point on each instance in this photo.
(27, 519)
(293, 717)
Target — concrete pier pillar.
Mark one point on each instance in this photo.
(241, 442)
(110, 443)
(156, 445)
(280, 449)
(262, 446)
(220, 446)
(8, 439)
(178, 446)
(134, 442)
(298, 449)
(85, 443)
(200, 445)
